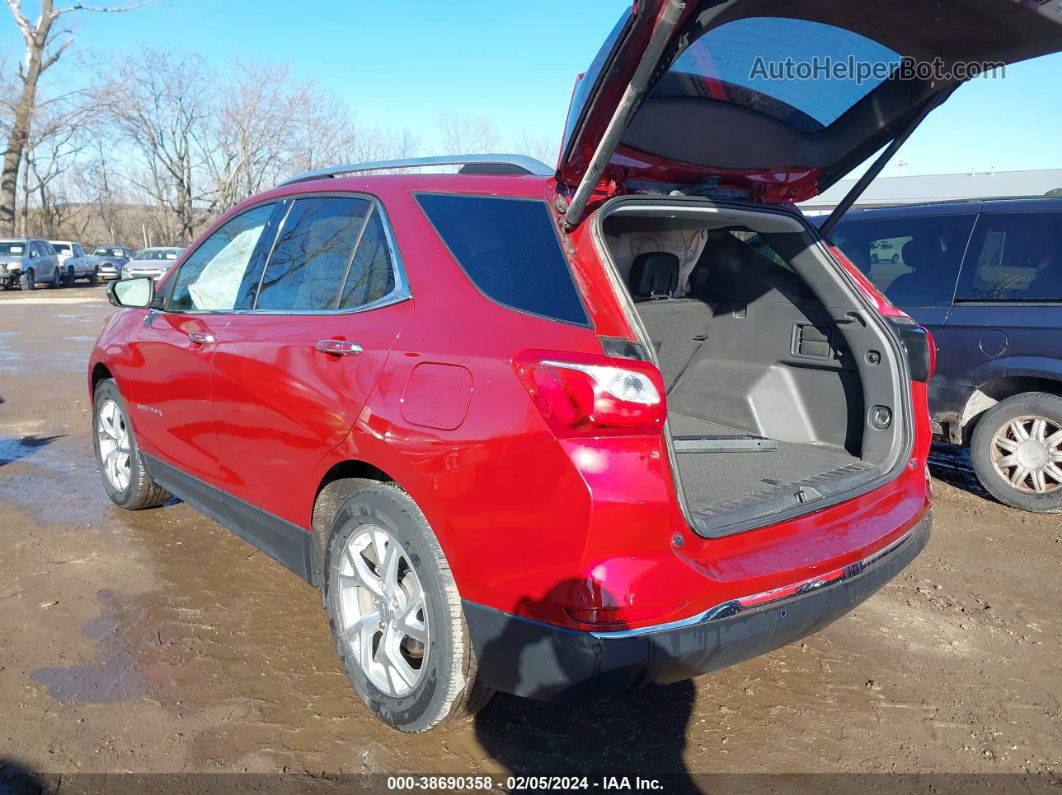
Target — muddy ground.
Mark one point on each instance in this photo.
(158, 642)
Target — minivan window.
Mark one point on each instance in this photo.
(510, 251)
(313, 253)
(1014, 257)
(913, 260)
(210, 279)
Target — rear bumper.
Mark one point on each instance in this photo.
(538, 660)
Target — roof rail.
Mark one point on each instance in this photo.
(517, 164)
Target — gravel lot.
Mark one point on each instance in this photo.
(159, 642)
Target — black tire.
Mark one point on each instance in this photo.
(28, 280)
(984, 452)
(93, 277)
(895, 258)
(69, 277)
(56, 281)
(141, 491)
(448, 688)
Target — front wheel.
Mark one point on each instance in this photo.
(396, 615)
(56, 279)
(68, 280)
(93, 277)
(125, 478)
(28, 280)
(1016, 449)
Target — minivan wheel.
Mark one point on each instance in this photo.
(1017, 451)
(57, 280)
(395, 613)
(125, 478)
(28, 280)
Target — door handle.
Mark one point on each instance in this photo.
(201, 337)
(338, 347)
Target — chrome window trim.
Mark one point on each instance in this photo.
(401, 291)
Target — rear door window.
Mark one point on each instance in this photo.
(913, 260)
(509, 249)
(331, 254)
(1014, 257)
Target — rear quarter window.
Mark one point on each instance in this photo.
(509, 249)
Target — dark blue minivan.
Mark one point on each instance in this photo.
(986, 278)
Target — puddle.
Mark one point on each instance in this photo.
(15, 449)
(114, 678)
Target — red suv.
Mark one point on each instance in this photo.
(562, 433)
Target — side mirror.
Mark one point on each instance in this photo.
(138, 292)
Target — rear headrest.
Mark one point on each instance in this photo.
(654, 273)
(920, 253)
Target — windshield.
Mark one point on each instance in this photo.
(756, 63)
(103, 251)
(61, 248)
(156, 253)
(12, 247)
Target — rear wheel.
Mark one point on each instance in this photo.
(1017, 451)
(68, 279)
(396, 615)
(125, 478)
(93, 277)
(28, 280)
(56, 279)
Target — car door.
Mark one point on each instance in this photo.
(171, 390)
(291, 375)
(1007, 318)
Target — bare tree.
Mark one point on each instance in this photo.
(162, 105)
(45, 42)
(466, 134)
(541, 147)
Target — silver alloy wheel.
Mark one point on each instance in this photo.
(112, 433)
(382, 609)
(1027, 453)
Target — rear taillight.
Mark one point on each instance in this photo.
(587, 395)
(919, 345)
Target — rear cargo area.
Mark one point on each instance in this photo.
(770, 364)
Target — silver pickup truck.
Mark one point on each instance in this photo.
(74, 263)
(27, 262)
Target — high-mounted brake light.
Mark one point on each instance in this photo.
(587, 395)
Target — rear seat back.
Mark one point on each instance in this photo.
(676, 326)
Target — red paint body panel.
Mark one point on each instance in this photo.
(515, 510)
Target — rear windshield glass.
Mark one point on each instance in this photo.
(12, 248)
(510, 251)
(756, 63)
(61, 248)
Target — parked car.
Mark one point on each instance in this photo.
(112, 259)
(153, 262)
(884, 251)
(27, 262)
(562, 433)
(986, 278)
(74, 263)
